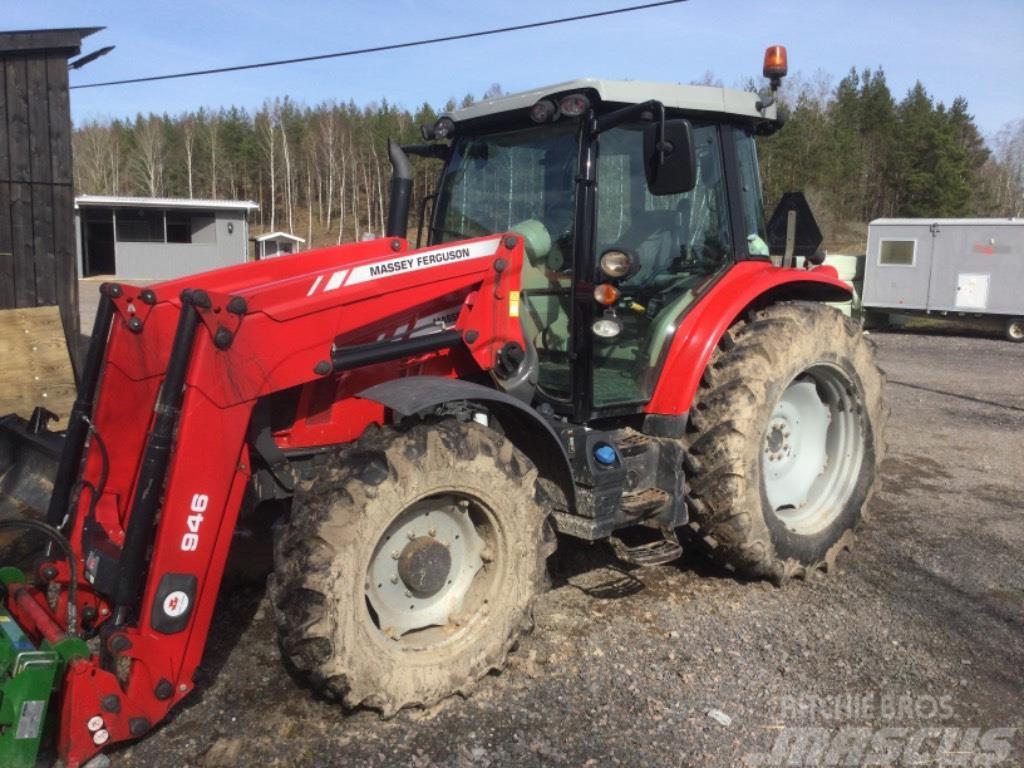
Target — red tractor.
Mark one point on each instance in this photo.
(600, 337)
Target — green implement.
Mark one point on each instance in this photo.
(28, 676)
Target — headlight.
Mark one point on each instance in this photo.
(616, 264)
(607, 327)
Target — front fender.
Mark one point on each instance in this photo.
(746, 284)
(526, 428)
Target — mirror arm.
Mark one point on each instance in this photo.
(663, 147)
(431, 198)
(435, 151)
(625, 114)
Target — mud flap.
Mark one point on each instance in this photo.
(29, 454)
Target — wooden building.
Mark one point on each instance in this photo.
(37, 236)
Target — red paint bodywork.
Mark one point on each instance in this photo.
(292, 320)
(703, 326)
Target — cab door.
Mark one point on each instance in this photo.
(677, 240)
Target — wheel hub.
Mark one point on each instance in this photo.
(424, 566)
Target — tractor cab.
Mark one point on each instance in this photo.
(632, 198)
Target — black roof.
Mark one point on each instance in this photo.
(67, 41)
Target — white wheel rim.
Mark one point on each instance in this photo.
(813, 449)
(397, 607)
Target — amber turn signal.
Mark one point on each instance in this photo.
(606, 294)
(775, 64)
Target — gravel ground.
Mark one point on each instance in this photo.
(919, 632)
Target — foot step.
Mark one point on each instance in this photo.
(644, 501)
(650, 553)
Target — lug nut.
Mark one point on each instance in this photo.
(101, 737)
(94, 724)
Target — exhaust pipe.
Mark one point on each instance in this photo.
(401, 191)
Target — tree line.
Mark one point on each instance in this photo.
(322, 171)
(861, 154)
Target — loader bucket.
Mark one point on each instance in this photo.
(29, 454)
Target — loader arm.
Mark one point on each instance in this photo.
(152, 508)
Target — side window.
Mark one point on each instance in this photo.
(670, 233)
(750, 189)
(896, 253)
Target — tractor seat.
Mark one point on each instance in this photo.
(545, 318)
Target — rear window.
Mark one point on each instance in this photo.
(898, 253)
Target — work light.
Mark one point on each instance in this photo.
(543, 111)
(574, 105)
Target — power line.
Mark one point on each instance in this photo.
(379, 48)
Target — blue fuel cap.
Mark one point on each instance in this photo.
(604, 454)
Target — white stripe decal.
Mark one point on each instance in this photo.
(417, 261)
(336, 280)
(316, 282)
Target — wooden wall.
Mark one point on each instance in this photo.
(37, 239)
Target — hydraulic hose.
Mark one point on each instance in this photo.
(61, 541)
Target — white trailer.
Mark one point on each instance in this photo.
(958, 267)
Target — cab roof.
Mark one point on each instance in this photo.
(697, 98)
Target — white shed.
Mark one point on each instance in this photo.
(277, 244)
(159, 238)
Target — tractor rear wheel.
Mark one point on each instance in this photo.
(409, 568)
(786, 435)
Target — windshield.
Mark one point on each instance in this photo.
(494, 183)
(522, 181)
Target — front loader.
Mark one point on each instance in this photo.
(594, 340)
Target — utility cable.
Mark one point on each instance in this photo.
(380, 48)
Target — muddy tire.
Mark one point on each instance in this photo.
(785, 438)
(409, 568)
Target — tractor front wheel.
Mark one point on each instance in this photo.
(786, 435)
(409, 568)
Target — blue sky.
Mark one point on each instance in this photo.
(973, 49)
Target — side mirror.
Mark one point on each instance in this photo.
(792, 229)
(671, 167)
